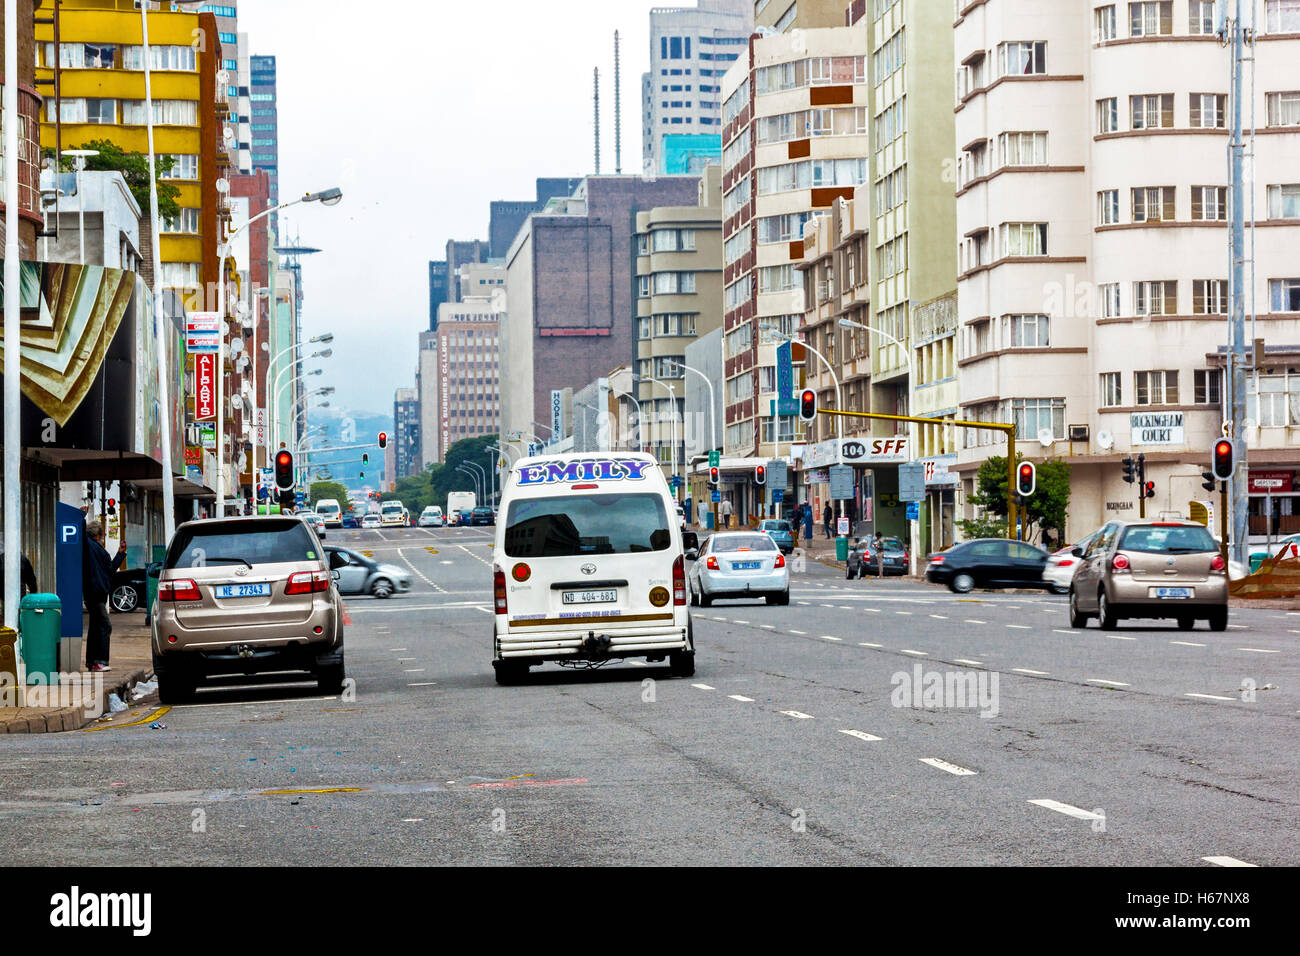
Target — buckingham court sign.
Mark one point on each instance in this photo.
(1157, 428)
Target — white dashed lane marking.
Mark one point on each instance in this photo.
(1187, 643)
(1026, 670)
(865, 644)
(800, 633)
(861, 735)
(1068, 810)
(828, 637)
(1258, 650)
(917, 653)
(1021, 627)
(963, 660)
(1102, 680)
(702, 687)
(1209, 697)
(1226, 861)
(741, 698)
(797, 714)
(972, 621)
(947, 767)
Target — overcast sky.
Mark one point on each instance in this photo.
(424, 111)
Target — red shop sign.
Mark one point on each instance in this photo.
(205, 386)
(1270, 482)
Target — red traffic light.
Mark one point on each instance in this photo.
(383, 439)
(760, 475)
(808, 405)
(1026, 478)
(283, 470)
(1151, 489)
(713, 476)
(1222, 464)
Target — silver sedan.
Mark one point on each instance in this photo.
(740, 564)
(362, 575)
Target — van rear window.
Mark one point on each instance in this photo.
(586, 524)
(265, 541)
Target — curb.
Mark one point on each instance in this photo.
(74, 717)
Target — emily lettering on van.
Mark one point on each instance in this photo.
(594, 469)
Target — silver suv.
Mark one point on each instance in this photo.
(246, 596)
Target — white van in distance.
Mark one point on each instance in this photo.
(589, 565)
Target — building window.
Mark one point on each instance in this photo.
(1023, 149)
(1284, 295)
(101, 111)
(739, 339)
(1208, 110)
(1282, 16)
(1108, 300)
(1152, 18)
(180, 274)
(165, 113)
(1155, 297)
(1209, 297)
(1153, 110)
(1103, 24)
(1024, 239)
(184, 166)
(783, 228)
(1153, 204)
(738, 292)
(1022, 58)
(776, 279)
(1108, 115)
(1270, 407)
(1026, 331)
(787, 18)
(1032, 415)
(1112, 392)
(1284, 201)
(1200, 17)
(643, 328)
(1284, 109)
(643, 286)
(186, 222)
(1210, 203)
(786, 430)
(1206, 386)
(1108, 207)
(1158, 387)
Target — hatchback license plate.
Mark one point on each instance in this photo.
(745, 565)
(1173, 592)
(589, 597)
(243, 590)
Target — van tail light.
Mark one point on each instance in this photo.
(780, 561)
(307, 582)
(679, 581)
(499, 589)
(711, 563)
(1217, 563)
(1119, 562)
(182, 589)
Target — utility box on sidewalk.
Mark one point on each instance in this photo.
(39, 622)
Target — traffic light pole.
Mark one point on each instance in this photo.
(1007, 429)
(1223, 523)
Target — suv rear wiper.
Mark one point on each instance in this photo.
(240, 560)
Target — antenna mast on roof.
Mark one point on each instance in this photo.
(618, 126)
(595, 95)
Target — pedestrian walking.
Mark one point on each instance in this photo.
(808, 522)
(96, 582)
(828, 515)
(725, 510)
(878, 547)
(796, 519)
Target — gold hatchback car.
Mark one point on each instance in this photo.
(1150, 569)
(245, 596)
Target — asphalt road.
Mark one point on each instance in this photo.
(792, 743)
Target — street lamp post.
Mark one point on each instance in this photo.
(672, 428)
(638, 413)
(713, 420)
(473, 476)
(914, 528)
(271, 383)
(326, 197)
(481, 472)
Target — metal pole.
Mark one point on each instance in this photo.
(13, 438)
(1240, 501)
(222, 250)
(81, 205)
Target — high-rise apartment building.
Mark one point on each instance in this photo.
(796, 139)
(1093, 205)
(461, 385)
(406, 432)
(437, 289)
(691, 49)
(679, 298)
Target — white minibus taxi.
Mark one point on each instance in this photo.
(588, 566)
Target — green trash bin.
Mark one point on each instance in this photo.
(841, 548)
(40, 621)
(1256, 560)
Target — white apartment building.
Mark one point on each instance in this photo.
(796, 112)
(1093, 261)
(681, 96)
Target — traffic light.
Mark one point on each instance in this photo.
(1149, 489)
(1208, 480)
(760, 474)
(1222, 460)
(365, 459)
(713, 476)
(112, 506)
(383, 439)
(1026, 479)
(1129, 475)
(808, 405)
(283, 469)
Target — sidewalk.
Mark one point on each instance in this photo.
(85, 697)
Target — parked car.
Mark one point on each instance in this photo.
(988, 563)
(482, 517)
(362, 575)
(243, 596)
(317, 521)
(128, 590)
(862, 557)
(431, 517)
(372, 520)
(1150, 569)
(779, 531)
(740, 564)
(1061, 565)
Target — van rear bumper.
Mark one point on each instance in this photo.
(569, 643)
